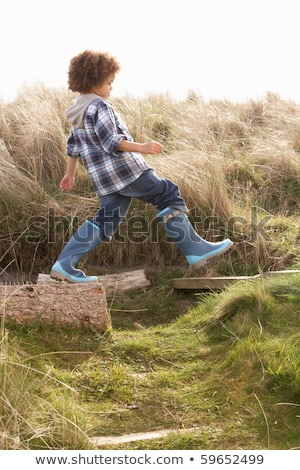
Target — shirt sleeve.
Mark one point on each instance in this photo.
(72, 147)
(108, 130)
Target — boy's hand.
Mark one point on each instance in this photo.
(68, 180)
(153, 148)
(67, 183)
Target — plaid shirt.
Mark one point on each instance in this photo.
(97, 142)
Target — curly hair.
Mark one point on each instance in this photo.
(89, 69)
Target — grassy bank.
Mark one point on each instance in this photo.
(226, 367)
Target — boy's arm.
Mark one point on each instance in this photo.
(68, 180)
(151, 147)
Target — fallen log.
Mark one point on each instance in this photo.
(122, 281)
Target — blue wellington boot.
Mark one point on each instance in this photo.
(87, 237)
(196, 250)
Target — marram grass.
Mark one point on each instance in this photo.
(231, 161)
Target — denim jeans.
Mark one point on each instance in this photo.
(149, 188)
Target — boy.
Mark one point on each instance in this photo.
(117, 171)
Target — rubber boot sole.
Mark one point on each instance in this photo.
(60, 277)
(202, 262)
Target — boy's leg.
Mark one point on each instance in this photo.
(161, 193)
(112, 210)
(196, 250)
(165, 196)
(87, 237)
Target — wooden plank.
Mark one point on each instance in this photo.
(99, 441)
(207, 283)
(202, 283)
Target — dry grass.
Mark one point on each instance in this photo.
(227, 159)
(36, 132)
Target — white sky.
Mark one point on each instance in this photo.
(234, 49)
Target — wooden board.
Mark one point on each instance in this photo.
(207, 283)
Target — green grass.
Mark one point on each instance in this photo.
(228, 368)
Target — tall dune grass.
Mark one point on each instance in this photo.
(227, 158)
(36, 133)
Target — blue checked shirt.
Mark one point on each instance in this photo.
(97, 142)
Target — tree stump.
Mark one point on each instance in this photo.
(77, 305)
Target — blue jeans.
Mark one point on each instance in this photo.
(149, 188)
